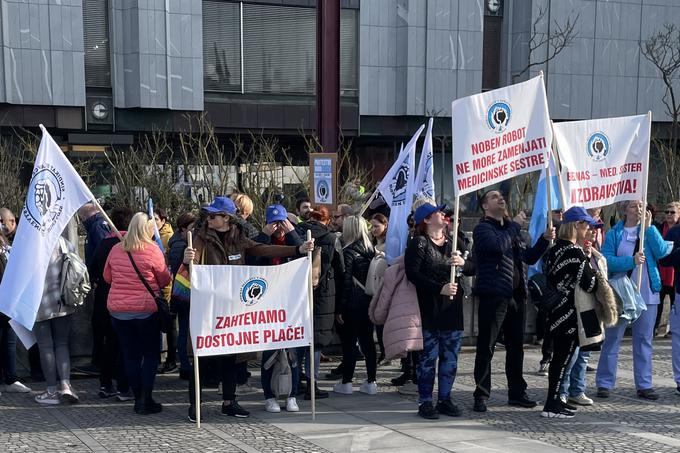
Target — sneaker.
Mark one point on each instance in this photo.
(106, 392)
(234, 410)
(369, 388)
(408, 389)
(543, 369)
(168, 367)
(523, 401)
(17, 387)
(401, 380)
(677, 390)
(125, 396)
(192, 414)
(448, 408)
(566, 405)
(602, 392)
(271, 405)
(336, 373)
(428, 412)
(480, 405)
(318, 394)
(557, 413)
(589, 369)
(48, 398)
(648, 394)
(581, 400)
(291, 404)
(68, 395)
(344, 389)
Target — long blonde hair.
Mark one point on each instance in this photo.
(354, 229)
(138, 233)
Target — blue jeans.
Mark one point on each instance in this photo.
(8, 353)
(443, 345)
(141, 350)
(182, 337)
(574, 382)
(266, 375)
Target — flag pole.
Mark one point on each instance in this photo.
(368, 203)
(454, 249)
(108, 219)
(310, 295)
(643, 219)
(197, 373)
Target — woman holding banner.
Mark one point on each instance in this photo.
(428, 267)
(625, 259)
(220, 241)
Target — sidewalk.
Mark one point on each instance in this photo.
(356, 423)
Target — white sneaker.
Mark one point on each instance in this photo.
(581, 400)
(291, 404)
(345, 389)
(68, 394)
(48, 398)
(271, 405)
(17, 387)
(369, 388)
(560, 414)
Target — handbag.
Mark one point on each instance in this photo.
(544, 295)
(163, 310)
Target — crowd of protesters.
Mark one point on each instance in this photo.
(412, 308)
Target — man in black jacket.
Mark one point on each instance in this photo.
(501, 287)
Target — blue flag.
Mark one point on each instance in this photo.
(156, 234)
(539, 215)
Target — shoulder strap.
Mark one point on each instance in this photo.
(139, 274)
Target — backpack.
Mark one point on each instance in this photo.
(75, 280)
(281, 382)
(376, 270)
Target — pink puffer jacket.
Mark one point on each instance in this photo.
(128, 294)
(396, 306)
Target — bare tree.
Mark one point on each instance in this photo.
(561, 36)
(662, 50)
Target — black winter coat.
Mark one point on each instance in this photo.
(95, 268)
(328, 293)
(427, 269)
(357, 260)
(176, 246)
(499, 252)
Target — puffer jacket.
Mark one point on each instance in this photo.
(176, 246)
(655, 249)
(395, 305)
(357, 260)
(499, 248)
(127, 293)
(329, 291)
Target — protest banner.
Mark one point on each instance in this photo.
(499, 134)
(236, 309)
(604, 160)
(322, 177)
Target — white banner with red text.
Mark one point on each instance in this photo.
(604, 160)
(237, 309)
(499, 134)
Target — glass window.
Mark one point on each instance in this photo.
(221, 46)
(96, 36)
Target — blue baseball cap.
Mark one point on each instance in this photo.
(221, 205)
(276, 213)
(578, 214)
(425, 210)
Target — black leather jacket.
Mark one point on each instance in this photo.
(357, 260)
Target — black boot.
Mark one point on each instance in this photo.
(152, 407)
(139, 401)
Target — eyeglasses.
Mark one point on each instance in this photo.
(669, 212)
(214, 216)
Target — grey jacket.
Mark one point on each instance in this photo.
(50, 304)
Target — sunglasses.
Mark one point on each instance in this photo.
(669, 212)
(214, 216)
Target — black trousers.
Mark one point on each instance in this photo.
(496, 313)
(227, 371)
(665, 291)
(564, 347)
(358, 326)
(171, 339)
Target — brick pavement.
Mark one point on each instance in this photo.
(622, 423)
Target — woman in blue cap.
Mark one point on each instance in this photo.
(428, 267)
(219, 241)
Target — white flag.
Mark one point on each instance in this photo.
(55, 194)
(499, 134)
(604, 160)
(425, 175)
(238, 309)
(398, 188)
